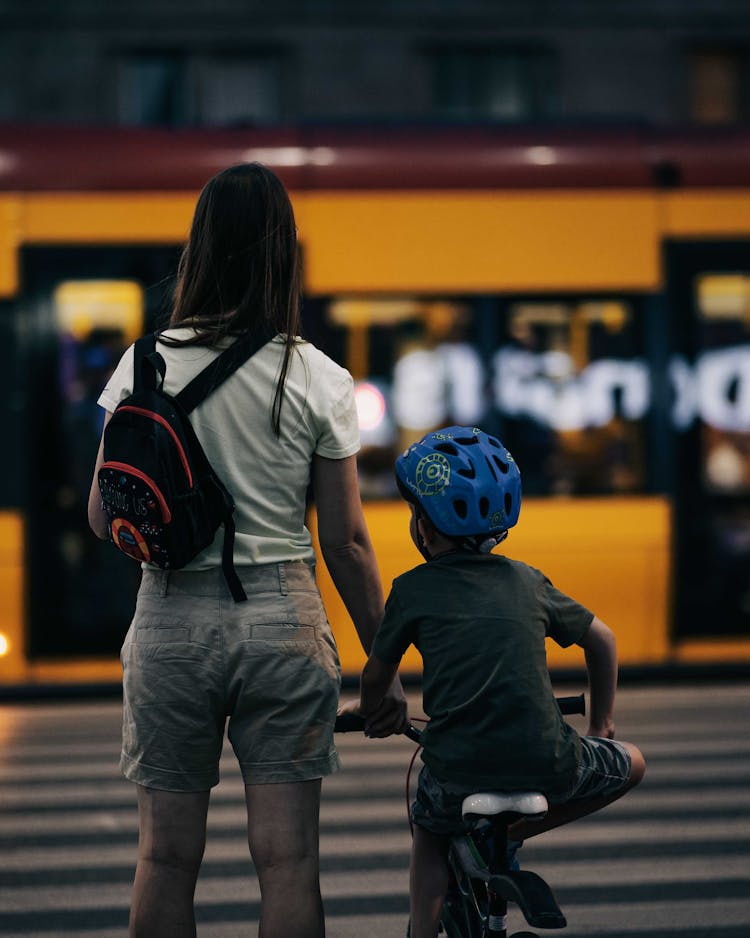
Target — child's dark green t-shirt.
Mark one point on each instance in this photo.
(480, 622)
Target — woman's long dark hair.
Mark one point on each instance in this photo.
(240, 269)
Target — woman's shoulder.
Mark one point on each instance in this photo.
(317, 361)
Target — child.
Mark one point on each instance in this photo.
(479, 621)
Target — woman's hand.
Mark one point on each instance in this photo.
(349, 707)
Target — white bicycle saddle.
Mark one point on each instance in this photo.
(488, 804)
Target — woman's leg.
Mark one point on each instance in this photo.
(171, 841)
(283, 829)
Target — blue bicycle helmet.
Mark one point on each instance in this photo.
(465, 481)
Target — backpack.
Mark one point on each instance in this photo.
(164, 503)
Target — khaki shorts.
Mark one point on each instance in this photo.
(194, 659)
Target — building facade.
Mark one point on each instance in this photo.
(244, 62)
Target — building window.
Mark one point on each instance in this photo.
(240, 89)
(174, 88)
(493, 83)
(152, 90)
(719, 83)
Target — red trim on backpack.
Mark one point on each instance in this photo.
(124, 467)
(164, 423)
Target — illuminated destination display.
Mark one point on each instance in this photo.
(449, 381)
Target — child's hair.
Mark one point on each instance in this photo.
(465, 482)
(240, 268)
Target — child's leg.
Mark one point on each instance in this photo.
(428, 881)
(559, 814)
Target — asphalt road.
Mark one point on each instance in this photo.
(671, 859)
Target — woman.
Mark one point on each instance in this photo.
(194, 659)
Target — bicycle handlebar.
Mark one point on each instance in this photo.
(571, 705)
(352, 722)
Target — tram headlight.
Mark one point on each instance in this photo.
(4, 645)
(370, 405)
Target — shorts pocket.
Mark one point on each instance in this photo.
(275, 632)
(162, 634)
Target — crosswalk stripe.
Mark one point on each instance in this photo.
(671, 859)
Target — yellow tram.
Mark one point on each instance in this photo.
(584, 293)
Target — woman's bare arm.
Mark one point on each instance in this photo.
(97, 517)
(348, 553)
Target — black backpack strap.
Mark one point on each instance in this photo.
(227, 562)
(215, 374)
(148, 364)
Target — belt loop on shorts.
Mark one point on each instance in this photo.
(164, 584)
(282, 579)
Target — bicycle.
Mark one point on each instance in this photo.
(482, 881)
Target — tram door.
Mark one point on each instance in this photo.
(81, 308)
(709, 301)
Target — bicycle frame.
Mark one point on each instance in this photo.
(464, 913)
(481, 882)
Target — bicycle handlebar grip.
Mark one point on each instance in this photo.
(353, 723)
(349, 723)
(569, 705)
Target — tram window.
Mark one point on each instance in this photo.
(81, 306)
(563, 383)
(572, 395)
(400, 352)
(723, 371)
(95, 321)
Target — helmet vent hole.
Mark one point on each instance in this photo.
(484, 506)
(460, 507)
(492, 468)
(468, 473)
(447, 448)
(467, 440)
(508, 503)
(502, 466)
(494, 442)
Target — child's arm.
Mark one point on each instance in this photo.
(601, 663)
(377, 677)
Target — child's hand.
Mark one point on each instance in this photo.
(604, 730)
(349, 706)
(391, 716)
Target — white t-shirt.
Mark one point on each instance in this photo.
(267, 476)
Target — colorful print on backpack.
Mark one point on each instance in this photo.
(127, 494)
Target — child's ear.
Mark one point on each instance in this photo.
(426, 528)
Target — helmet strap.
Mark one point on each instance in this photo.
(487, 544)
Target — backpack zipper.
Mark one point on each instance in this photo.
(123, 467)
(151, 415)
